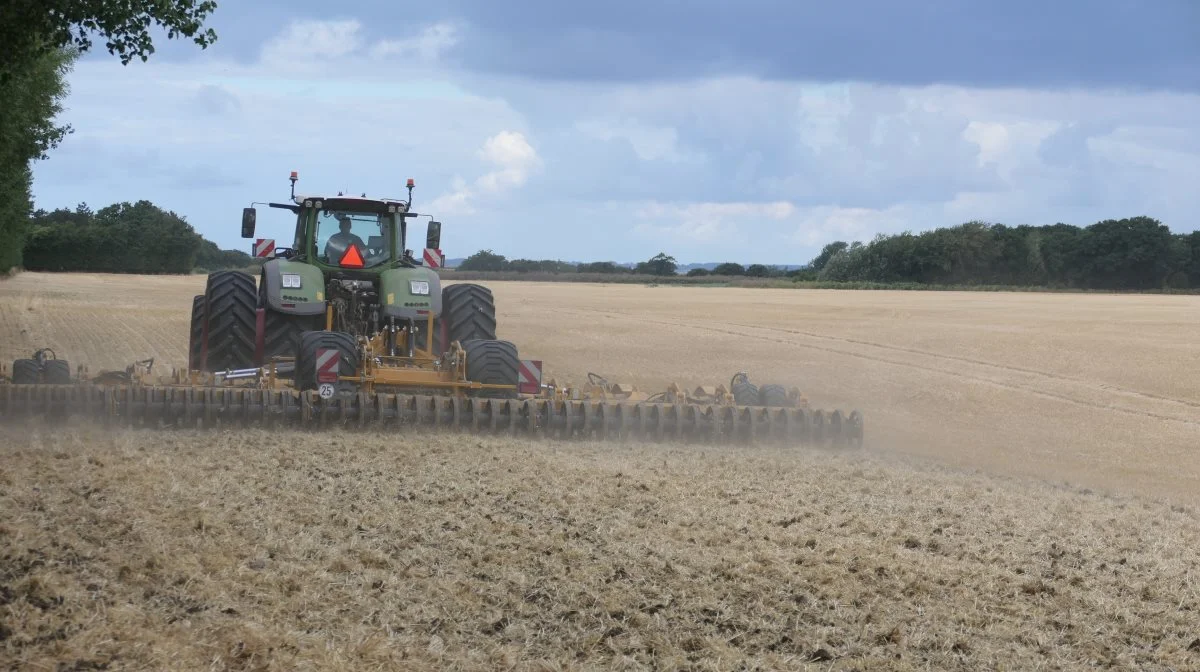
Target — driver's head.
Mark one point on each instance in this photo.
(344, 224)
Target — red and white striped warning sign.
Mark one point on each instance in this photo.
(263, 247)
(434, 258)
(327, 365)
(529, 376)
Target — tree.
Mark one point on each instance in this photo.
(484, 260)
(659, 264)
(121, 238)
(826, 254)
(602, 267)
(758, 271)
(697, 272)
(41, 40)
(33, 97)
(728, 268)
(33, 29)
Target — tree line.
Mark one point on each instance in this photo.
(660, 265)
(41, 42)
(1138, 253)
(122, 238)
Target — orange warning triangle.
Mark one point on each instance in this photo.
(352, 258)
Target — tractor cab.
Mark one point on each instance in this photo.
(348, 233)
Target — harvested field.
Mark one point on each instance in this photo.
(1027, 501)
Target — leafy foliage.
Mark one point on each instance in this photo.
(484, 260)
(608, 267)
(121, 238)
(32, 29)
(32, 99)
(729, 268)
(659, 264)
(41, 40)
(827, 253)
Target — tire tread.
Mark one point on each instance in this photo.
(230, 305)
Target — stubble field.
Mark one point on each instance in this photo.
(1026, 501)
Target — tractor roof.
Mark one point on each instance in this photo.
(351, 202)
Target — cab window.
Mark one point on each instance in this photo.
(338, 229)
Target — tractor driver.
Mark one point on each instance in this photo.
(339, 242)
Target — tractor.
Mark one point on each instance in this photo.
(349, 284)
(346, 327)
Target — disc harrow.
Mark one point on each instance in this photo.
(217, 407)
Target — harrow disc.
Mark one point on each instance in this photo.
(167, 406)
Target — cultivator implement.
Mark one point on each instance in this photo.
(597, 410)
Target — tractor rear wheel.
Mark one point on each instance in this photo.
(774, 396)
(57, 372)
(196, 338)
(282, 333)
(469, 312)
(25, 372)
(492, 362)
(230, 301)
(311, 344)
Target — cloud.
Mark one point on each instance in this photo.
(705, 222)
(705, 166)
(1018, 43)
(428, 47)
(313, 41)
(650, 143)
(514, 159)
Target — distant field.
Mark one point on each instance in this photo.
(1027, 499)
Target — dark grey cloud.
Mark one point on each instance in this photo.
(1139, 44)
(1120, 43)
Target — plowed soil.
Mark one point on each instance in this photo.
(1026, 501)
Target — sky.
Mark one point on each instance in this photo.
(754, 131)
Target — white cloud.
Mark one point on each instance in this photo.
(305, 41)
(427, 47)
(705, 222)
(650, 143)
(515, 159)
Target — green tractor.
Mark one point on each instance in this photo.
(348, 283)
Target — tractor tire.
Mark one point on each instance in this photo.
(774, 396)
(282, 333)
(196, 337)
(311, 342)
(230, 301)
(25, 372)
(469, 314)
(57, 372)
(745, 394)
(492, 362)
